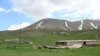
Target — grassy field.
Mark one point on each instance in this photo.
(29, 51)
(45, 37)
(41, 37)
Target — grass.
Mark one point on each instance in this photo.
(29, 51)
(41, 37)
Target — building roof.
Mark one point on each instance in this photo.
(74, 40)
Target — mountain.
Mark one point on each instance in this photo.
(55, 24)
(44, 37)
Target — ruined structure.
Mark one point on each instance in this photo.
(73, 44)
(77, 43)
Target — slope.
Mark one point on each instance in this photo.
(49, 37)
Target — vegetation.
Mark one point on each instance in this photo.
(43, 37)
(29, 51)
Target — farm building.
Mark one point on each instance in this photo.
(77, 43)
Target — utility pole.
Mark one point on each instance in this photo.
(97, 36)
(20, 37)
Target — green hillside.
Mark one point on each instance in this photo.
(49, 37)
(44, 37)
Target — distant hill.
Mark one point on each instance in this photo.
(42, 37)
(55, 24)
(48, 31)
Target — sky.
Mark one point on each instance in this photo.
(22, 13)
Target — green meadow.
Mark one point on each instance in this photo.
(43, 37)
(29, 51)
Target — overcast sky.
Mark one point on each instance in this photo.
(14, 13)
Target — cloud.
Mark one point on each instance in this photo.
(16, 27)
(8, 11)
(75, 9)
(39, 8)
(2, 9)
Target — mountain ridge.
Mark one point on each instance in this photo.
(56, 24)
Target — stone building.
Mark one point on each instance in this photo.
(77, 43)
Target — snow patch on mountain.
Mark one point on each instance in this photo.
(67, 25)
(81, 26)
(39, 25)
(93, 25)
